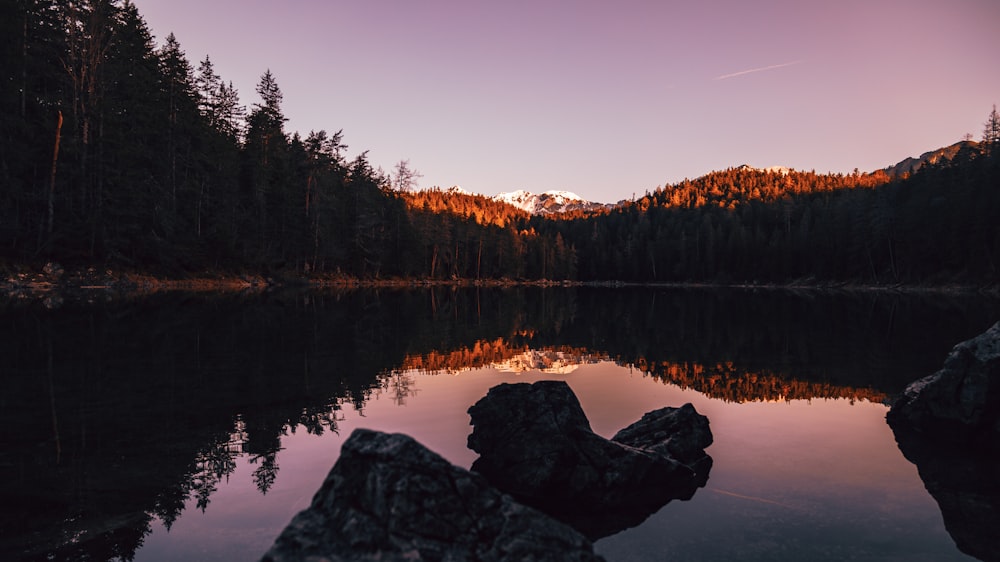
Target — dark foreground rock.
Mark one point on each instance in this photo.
(388, 498)
(536, 444)
(947, 425)
(961, 402)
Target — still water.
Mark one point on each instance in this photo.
(193, 428)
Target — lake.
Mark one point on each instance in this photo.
(187, 427)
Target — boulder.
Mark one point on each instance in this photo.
(948, 425)
(960, 402)
(389, 498)
(678, 433)
(536, 444)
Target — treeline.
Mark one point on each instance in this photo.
(114, 150)
(118, 152)
(473, 237)
(744, 225)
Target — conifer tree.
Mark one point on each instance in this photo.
(208, 83)
(231, 115)
(264, 174)
(991, 130)
(266, 119)
(182, 116)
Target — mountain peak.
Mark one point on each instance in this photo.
(784, 171)
(947, 153)
(550, 202)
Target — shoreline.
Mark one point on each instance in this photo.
(52, 280)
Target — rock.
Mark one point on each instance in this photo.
(389, 498)
(536, 444)
(960, 402)
(948, 425)
(678, 433)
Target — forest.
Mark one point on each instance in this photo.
(119, 152)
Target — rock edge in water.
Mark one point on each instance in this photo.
(960, 403)
(390, 498)
(948, 425)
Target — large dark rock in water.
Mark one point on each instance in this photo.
(947, 425)
(388, 498)
(536, 444)
(961, 402)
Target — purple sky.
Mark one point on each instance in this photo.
(603, 98)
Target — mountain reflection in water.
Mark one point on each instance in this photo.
(115, 416)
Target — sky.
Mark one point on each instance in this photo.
(608, 99)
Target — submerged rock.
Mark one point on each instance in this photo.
(389, 498)
(961, 402)
(948, 425)
(536, 444)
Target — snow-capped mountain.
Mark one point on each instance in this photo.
(547, 203)
(782, 170)
(456, 189)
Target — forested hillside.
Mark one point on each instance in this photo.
(118, 152)
(744, 225)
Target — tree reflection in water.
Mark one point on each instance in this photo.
(118, 412)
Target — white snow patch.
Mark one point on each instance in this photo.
(549, 202)
(783, 170)
(457, 189)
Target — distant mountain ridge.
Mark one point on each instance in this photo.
(560, 201)
(947, 153)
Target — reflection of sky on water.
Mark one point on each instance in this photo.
(797, 480)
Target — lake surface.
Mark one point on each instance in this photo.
(190, 427)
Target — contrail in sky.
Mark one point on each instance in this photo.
(761, 69)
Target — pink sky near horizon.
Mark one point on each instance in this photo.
(608, 99)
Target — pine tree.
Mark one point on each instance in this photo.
(231, 115)
(265, 176)
(208, 83)
(991, 130)
(266, 121)
(128, 170)
(182, 114)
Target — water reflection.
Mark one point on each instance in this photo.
(117, 413)
(963, 480)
